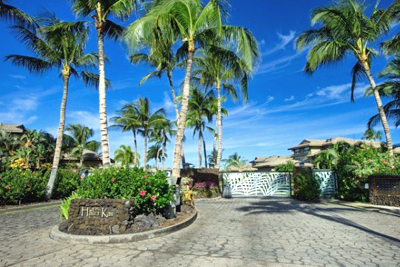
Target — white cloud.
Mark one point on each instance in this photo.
(284, 41)
(86, 118)
(291, 98)
(22, 77)
(278, 64)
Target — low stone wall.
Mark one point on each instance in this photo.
(384, 190)
(99, 216)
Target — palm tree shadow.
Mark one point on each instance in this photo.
(271, 205)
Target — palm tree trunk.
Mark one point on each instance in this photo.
(57, 152)
(171, 85)
(182, 116)
(219, 125)
(199, 144)
(205, 151)
(378, 101)
(135, 144)
(102, 98)
(163, 153)
(145, 149)
(157, 157)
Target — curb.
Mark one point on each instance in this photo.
(57, 235)
(368, 207)
(31, 206)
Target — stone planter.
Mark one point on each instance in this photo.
(384, 190)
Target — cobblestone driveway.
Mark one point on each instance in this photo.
(228, 232)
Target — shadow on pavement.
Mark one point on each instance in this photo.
(272, 205)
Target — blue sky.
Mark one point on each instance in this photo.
(285, 105)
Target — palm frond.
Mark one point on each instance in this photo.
(34, 65)
(92, 79)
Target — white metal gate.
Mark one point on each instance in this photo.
(248, 184)
(327, 180)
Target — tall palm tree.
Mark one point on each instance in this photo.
(216, 69)
(389, 88)
(58, 45)
(100, 11)
(148, 121)
(199, 114)
(126, 156)
(127, 121)
(155, 153)
(195, 25)
(81, 135)
(346, 29)
(236, 161)
(13, 14)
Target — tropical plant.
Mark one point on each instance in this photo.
(199, 113)
(346, 29)
(372, 135)
(287, 167)
(126, 156)
(216, 69)
(161, 135)
(57, 45)
(326, 159)
(101, 11)
(195, 25)
(154, 152)
(13, 14)
(235, 161)
(66, 204)
(147, 121)
(212, 157)
(127, 121)
(389, 88)
(81, 135)
(306, 186)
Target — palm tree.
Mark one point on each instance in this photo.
(391, 88)
(199, 110)
(81, 134)
(126, 156)
(161, 134)
(372, 135)
(58, 45)
(155, 153)
(127, 121)
(327, 158)
(347, 30)
(100, 11)
(194, 25)
(147, 121)
(13, 14)
(236, 161)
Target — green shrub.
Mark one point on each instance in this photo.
(306, 187)
(22, 186)
(150, 192)
(354, 166)
(67, 181)
(287, 167)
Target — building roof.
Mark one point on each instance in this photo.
(13, 128)
(87, 155)
(273, 161)
(331, 141)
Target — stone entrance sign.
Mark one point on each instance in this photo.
(99, 216)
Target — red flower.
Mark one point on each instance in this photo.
(74, 170)
(142, 193)
(7, 187)
(113, 180)
(153, 198)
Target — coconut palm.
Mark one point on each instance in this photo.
(161, 135)
(126, 156)
(13, 14)
(81, 134)
(389, 88)
(372, 135)
(147, 121)
(235, 161)
(58, 45)
(199, 114)
(100, 11)
(127, 121)
(195, 25)
(327, 159)
(155, 152)
(346, 29)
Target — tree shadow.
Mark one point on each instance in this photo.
(271, 205)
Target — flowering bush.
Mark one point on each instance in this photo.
(306, 187)
(354, 166)
(22, 186)
(67, 181)
(150, 192)
(206, 189)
